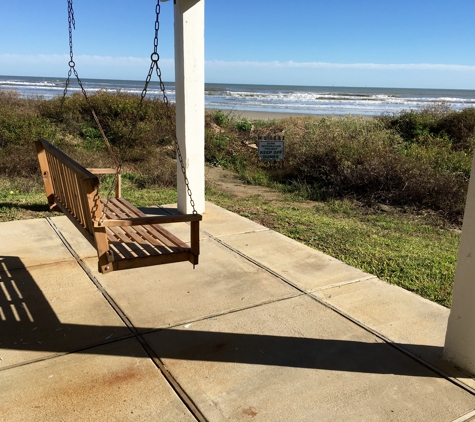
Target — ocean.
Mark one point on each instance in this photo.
(267, 98)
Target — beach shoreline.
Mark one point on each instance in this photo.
(264, 102)
(276, 115)
(264, 115)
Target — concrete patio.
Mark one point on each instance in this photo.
(264, 329)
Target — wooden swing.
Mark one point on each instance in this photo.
(123, 236)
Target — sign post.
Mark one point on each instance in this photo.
(271, 148)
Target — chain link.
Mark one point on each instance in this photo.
(155, 57)
(72, 64)
(72, 69)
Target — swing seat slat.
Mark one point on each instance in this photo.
(123, 236)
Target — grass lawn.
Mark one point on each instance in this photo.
(402, 249)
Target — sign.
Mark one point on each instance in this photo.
(271, 149)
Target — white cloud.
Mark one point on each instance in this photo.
(88, 66)
(405, 75)
(397, 75)
(86, 59)
(326, 65)
(9, 59)
(129, 61)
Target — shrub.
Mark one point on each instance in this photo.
(412, 125)
(217, 149)
(361, 158)
(421, 159)
(460, 128)
(124, 122)
(437, 125)
(21, 125)
(219, 118)
(244, 125)
(142, 137)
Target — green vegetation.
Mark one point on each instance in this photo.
(418, 160)
(406, 250)
(382, 194)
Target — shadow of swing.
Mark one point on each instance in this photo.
(38, 207)
(29, 323)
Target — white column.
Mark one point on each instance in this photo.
(460, 338)
(190, 108)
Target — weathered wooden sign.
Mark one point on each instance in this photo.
(271, 148)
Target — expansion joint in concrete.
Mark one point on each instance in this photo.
(466, 418)
(184, 397)
(345, 315)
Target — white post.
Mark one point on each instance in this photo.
(460, 338)
(190, 108)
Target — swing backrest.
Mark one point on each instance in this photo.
(70, 188)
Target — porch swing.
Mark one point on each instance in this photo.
(123, 236)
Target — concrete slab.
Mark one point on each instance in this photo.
(469, 417)
(390, 310)
(220, 222)
(413, 322)
(307, 268)
(181, 230)
(107, 383)
(171, 294)
(216, 220)
(85, 250)
(297, 360)
(51, 309)
(77, 241)
(29, 242)
(241, 342)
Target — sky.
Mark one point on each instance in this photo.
(357, 43)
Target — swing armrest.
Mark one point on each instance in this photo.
(118, 183)
(141, 221)
(102, 171)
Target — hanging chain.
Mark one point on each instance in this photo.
(72, 69)
(71, 24)
(155, 57)
(72, 64)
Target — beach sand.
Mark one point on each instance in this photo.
(264, 115)
(270, 115)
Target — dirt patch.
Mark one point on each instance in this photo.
(230, 183)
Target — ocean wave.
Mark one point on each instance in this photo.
(310, 97)
(318, 100)
(28, 84)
